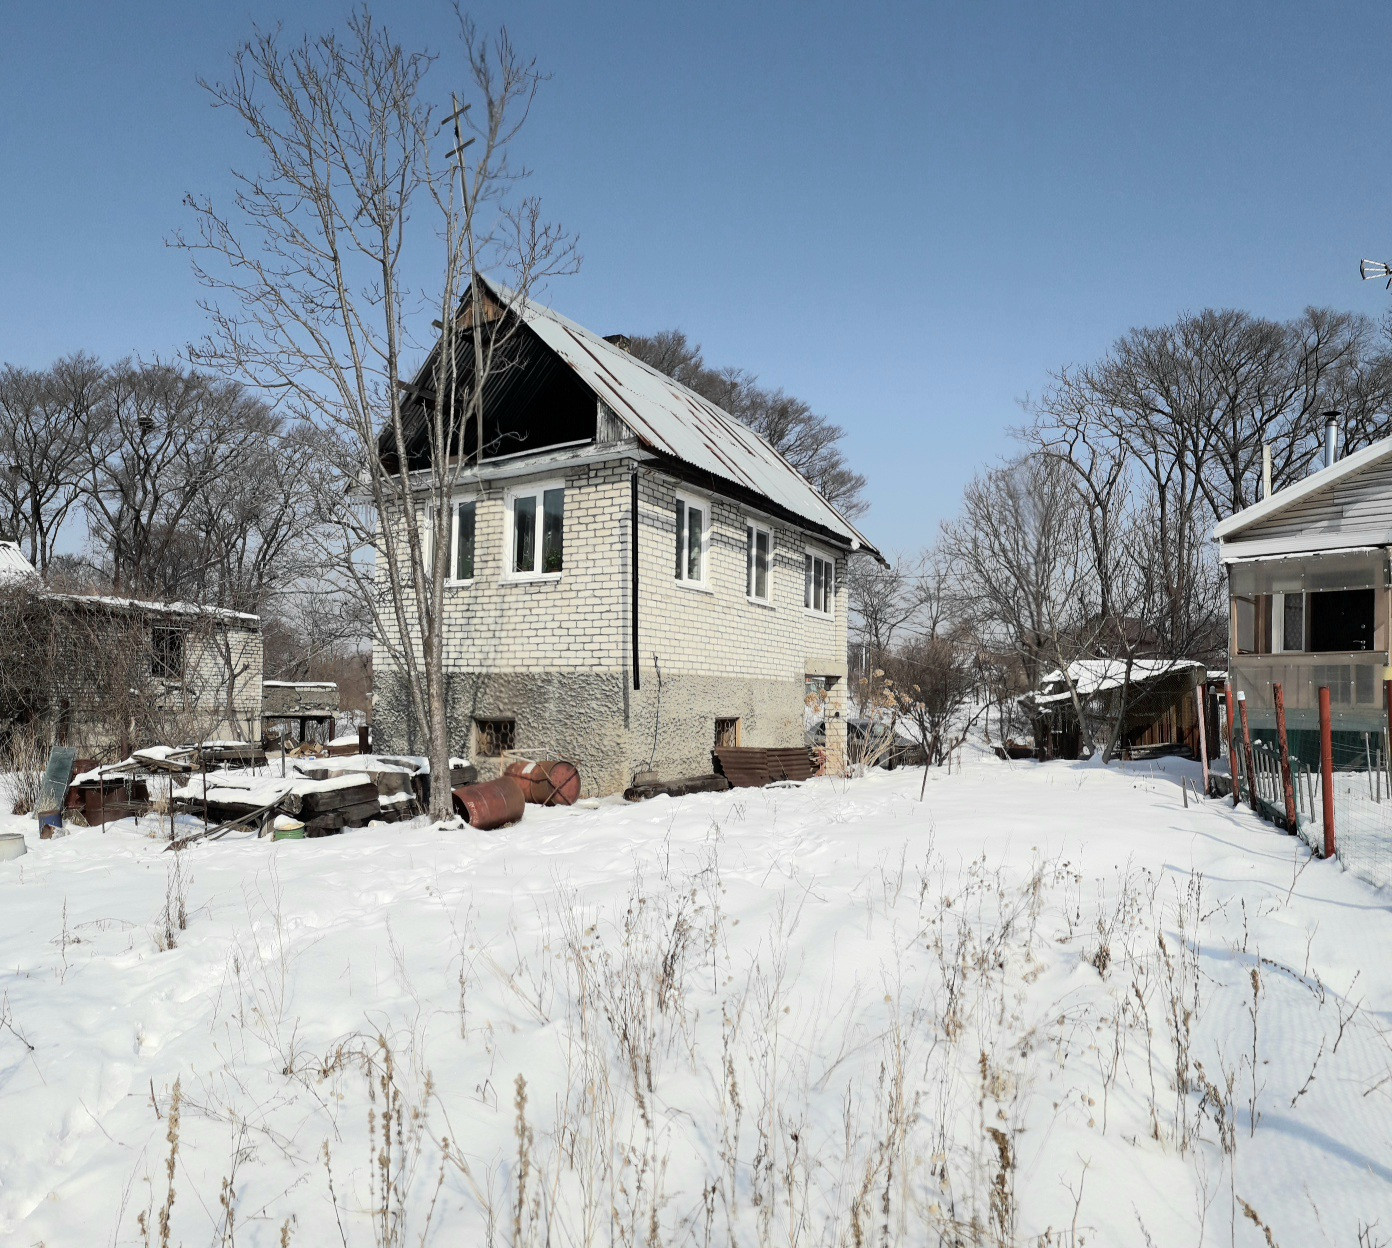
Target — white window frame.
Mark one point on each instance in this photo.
(536, 490)
(467, 500)
(703, 505)
(756, 526)
(808, 580)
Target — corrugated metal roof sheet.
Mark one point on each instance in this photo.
(13, 565)
(672, 420)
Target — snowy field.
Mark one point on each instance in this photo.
(1045, 1006)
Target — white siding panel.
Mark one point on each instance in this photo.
(1361, 501)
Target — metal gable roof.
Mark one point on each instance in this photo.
(1320, 480)
(672, 420)
(13, 565)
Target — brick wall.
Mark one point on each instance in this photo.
(555, 652)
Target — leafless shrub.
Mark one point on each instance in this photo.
(173, 917)
(22, 765)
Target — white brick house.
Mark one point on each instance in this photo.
(646, 574)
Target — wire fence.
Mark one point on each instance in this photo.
(1361, 787)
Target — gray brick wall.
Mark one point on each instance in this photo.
(555, 653)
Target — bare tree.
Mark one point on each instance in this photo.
(162, 438)
(358, 191)
(45, 421)
(1167, 432)
(910, 596)
(808, 441)
(1015, 548)
(934, 684)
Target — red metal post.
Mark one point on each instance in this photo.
(1287, 783)
(1387, 713)
(1247, 751)
(1199, 690)
(1326, 729)
(1232, 745)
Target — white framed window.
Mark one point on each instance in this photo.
(693, 539)
(758, 559)
(461, 567)
(535, 531)
(819, 583)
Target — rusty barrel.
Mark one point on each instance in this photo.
(491, 805)
(554, 783)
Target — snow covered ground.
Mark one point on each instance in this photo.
(1047, 1005)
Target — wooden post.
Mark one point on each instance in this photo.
(364, 744)
(1203, 732)
(1232, 745)
(1326, 730)
(1287, 783)
(1247, 750)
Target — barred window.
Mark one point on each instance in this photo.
(493, 736)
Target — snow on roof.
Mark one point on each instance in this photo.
(13, 565)
(300, 684)
(1320, 480)
(167, 608)
(672, 420)
(1090, 676)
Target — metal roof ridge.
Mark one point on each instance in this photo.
(733, 429)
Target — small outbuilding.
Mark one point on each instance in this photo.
(108, 674)
(1157, 701)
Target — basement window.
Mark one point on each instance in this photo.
(727, 732)
(493, 736)
(167, 652)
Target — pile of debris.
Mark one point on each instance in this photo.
(310, 797)
(324, 795)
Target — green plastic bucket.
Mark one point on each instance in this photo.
(287, 829)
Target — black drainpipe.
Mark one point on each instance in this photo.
(633, 569)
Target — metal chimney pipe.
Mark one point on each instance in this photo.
(1266, 470)
(1331, 438)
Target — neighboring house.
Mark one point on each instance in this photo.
(634, 575)
(1308, 576)
(109, 674)
(1154, 698)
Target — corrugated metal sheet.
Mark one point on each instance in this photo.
(748, 767)
(668, 418)
(13, 565)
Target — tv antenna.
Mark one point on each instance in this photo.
(1375, 270)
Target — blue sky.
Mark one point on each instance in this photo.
(905, 213)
